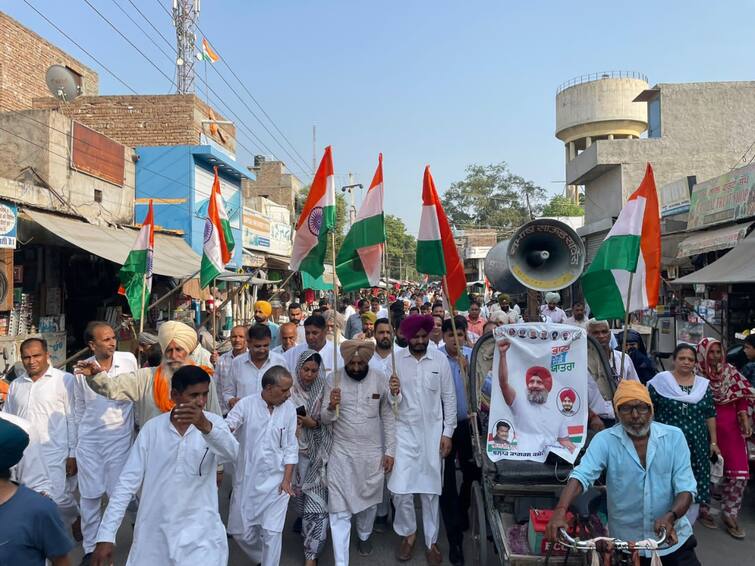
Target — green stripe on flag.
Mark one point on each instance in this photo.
(131, 276)
(314, 262)
(364, 233)
(599, 286)
(208, 271)
(430, 258)
(227, 234)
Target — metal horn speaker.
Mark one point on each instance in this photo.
(544, 255)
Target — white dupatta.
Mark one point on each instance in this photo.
(666, 386)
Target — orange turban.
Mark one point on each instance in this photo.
(631, 390)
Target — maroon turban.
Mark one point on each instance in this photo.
(414, 323)
(542, 373)
(567, 394)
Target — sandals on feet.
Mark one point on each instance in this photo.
(732, 527)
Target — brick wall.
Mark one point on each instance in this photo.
(273, 181)
(150, 120)
(24, 60)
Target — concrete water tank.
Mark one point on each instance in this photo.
(599, 106)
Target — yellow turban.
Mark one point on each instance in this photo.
(265, 307)
(357, 349)
(631, 390)
(173, 331)
(369, 316)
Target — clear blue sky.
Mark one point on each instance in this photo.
(438, 82)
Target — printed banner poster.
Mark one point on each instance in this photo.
(538, 400)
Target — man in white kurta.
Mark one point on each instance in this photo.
(247, 370)
(315, 334)
(44, 396)
(149, 388)
(173, 462)
(31, 470)
(224, 361)
(265, 425)
(424, 428)
(105, 430)
(363, 448)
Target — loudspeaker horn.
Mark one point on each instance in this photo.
(544, 255)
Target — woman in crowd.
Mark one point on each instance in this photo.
(315, 441)
(733, 396)
(683, 399)
(639, 356)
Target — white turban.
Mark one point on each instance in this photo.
(551, 297)
(182, 334)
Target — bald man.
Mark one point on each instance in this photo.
(149, 388)
(223, 363)
(289, 337)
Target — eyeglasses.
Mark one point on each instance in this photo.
(641, 409)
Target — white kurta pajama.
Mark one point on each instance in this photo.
(258, 507)
(31, 470)
(48, 404)
(178, 522)
(426, 412)
(326, 353)
(355, 465)
(105, 433)
(245, 378)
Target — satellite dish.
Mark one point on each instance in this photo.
(63, 83)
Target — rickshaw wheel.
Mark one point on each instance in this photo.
(479, 525)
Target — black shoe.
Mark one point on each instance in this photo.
(364, 547)
(381, 524)
(456, 555)
(297, 526)
(86, 560)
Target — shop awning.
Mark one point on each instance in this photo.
(737, 266)
(712, 240)
(173, 256)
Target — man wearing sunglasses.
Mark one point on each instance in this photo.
(649, 478)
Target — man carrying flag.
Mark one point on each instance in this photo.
(317, 219)
(218, 238)
(360, 258)
(136, 273)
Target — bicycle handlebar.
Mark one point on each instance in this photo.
(618, 544)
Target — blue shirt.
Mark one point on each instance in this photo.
(31, 529)
(461, 395)
(638, 496)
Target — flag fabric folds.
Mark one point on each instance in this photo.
(360, 258)
(317, 219)
(218, 238)
(136, 274)
(632, 246)
(436, 247)
(207, 53)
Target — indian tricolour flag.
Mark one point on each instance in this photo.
(317, 219)
(218, 238)
(136, 274)
(632, 246)
(360, 258)
(436, 248)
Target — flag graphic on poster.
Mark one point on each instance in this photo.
(539, 403)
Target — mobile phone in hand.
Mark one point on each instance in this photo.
(301, 411)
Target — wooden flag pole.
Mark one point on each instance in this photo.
(336, 379)
(213, 292)
(394, 402)
(459, 354)
(141, 315)
(626, 325)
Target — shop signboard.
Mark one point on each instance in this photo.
(97, 155)
(256, 230)
(675, 196)
(726, 198)
(8, 225)
(280, 238)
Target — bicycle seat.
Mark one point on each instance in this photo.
(586, 503)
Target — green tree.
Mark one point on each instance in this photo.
(492, 196)
(561, 205)
(401, 249)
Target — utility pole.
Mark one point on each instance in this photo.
(185, 16)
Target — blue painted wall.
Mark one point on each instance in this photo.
(167, 172)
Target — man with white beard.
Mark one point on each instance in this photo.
(105, 430)
(149, 388)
